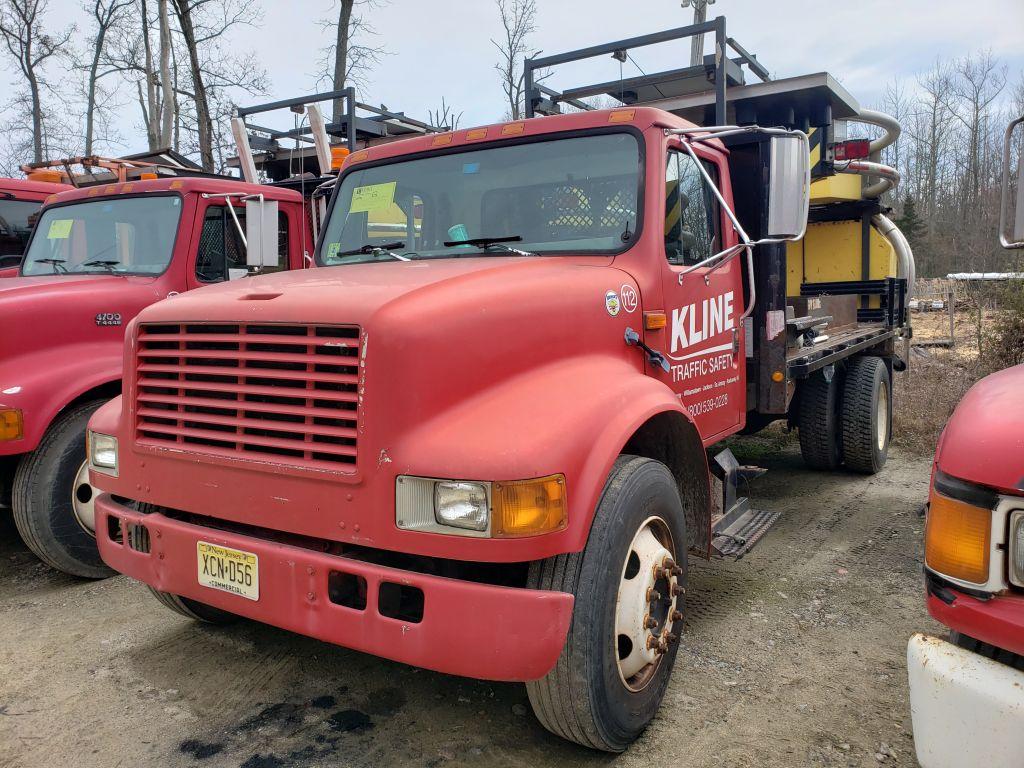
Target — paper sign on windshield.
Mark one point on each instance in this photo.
(373, 197)
(59, 229)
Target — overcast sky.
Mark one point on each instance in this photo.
(444, 49)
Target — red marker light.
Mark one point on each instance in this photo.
(854, 149)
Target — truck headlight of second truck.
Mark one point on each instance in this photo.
(102, 451)
(481, 509)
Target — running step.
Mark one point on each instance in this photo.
(740, 533)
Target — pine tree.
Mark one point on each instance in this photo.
(910, 223)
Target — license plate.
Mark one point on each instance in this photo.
(229, 570)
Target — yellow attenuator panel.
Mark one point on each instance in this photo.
(831, 251)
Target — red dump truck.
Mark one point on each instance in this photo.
(967, 693)
(97, 257)
(20, 201)
(476, 440)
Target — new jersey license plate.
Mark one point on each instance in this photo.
(229, 570)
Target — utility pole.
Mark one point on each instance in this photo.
(700, 15)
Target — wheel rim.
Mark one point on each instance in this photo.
(882, 422)
(645, 609)
(83, 500)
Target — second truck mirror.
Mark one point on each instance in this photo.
(261, 233)
(1011, 201)
(789, 188)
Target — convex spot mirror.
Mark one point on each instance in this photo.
(789, 187)
(261, 233)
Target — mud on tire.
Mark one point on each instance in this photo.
(585, 697)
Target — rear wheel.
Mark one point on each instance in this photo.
(193, 609)
(866, 414)
(52, 499)
(818, 423)
(629, 586)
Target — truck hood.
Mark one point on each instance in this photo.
(355, 293)
(48, 311)
(983, 442)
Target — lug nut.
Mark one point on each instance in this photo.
(650, 623)
(677, 570)
(677, 616)
(653, 595)
(652, 643)
(677, 590)
(672, 637)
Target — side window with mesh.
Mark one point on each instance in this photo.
(692, 219)
(221, 253)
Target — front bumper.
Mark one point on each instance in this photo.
(471, 629)
(967, 710)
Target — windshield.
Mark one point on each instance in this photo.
(576, 195)
(121, 235)
(16, 218)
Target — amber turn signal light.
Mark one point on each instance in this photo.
(12, 424)
(529, 507)
(957, 539)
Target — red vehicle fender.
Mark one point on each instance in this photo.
(48, 380)
(574, 416)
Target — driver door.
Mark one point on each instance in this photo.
(703, 336)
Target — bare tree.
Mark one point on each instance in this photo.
(444, 116)
(518, 21)
(106, 15)
(21, 27)
(351, 56)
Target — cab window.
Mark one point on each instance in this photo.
(221, 253)
(692, 219)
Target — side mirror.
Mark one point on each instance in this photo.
(789, 191)
(1012, 236)
(261, 233)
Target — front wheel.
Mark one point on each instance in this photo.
(192, 609)
(866, 415)
(629, 585)
(53, 501)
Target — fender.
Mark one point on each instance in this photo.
(45, 381)
(574, 416)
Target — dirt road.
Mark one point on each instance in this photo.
(793, 656)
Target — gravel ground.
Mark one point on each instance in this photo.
(793, 656)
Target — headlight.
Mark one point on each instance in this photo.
(103, 453)
(1017, 548)
(958, 533)
(462, 505)
(481, 509)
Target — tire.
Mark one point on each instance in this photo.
(192, 609)
(585, 698)
(42, 498)
(818, 422)
(866, 415)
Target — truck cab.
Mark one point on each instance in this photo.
(20, 201)
(967, 692)
(98, 256)
(476, 438)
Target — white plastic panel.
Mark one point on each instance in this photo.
(968, 711)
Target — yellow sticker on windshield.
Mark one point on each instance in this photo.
(59, 229)
(372, 197)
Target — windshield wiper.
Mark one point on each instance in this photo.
(376, 250)
(57, 264)
(108, 264)
(492, 242)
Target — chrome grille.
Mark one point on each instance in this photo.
(288, 393)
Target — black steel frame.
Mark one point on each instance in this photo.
(536, 93)
(350, 127)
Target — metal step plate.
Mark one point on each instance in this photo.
(742, 533)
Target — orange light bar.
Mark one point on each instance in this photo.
(476, 133)
(47, 177)
(529, 507)
(338, 155)
(12, 424)
(149, 177)
(655, 320)
(621, 115)
(957, 539)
